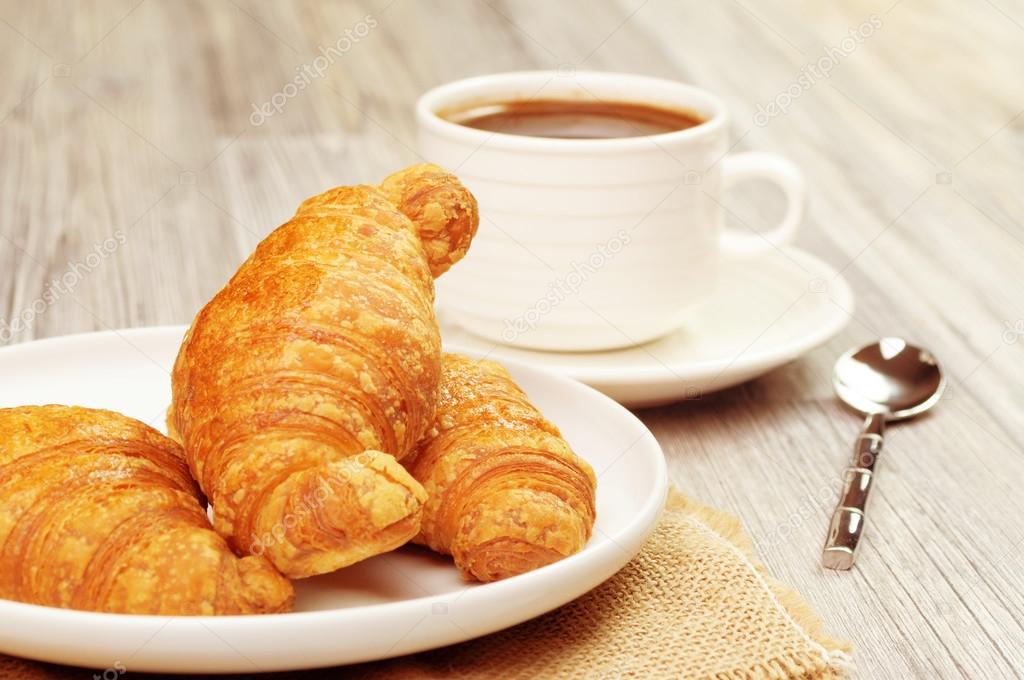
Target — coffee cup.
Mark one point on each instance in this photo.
(593, 243)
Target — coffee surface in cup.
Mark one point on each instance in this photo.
(574, 119)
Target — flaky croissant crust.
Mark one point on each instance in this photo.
(505, 492)
(99, 512)
(316, 367)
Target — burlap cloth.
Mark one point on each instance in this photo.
(693, 604)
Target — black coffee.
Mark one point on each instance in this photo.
(574, 119)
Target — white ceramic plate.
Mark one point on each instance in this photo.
(766, 312)
(394, 604)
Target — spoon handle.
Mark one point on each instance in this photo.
(848, 519)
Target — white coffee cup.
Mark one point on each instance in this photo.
(591, 244)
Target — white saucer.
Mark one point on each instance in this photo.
(766, 312)
(392, 604)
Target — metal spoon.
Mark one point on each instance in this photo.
(887, 380)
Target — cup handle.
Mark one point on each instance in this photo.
(761, 165)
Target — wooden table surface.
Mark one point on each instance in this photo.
(133, 121)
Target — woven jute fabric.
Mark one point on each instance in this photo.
(693, 604)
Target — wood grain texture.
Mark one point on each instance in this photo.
(133, 118)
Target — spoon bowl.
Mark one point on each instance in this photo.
(891, 377)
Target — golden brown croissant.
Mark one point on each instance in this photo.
(316, 367)
(98, 512)
(505, 493)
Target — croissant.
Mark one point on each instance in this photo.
(98, 512)
(505, 493)
(305, 379)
